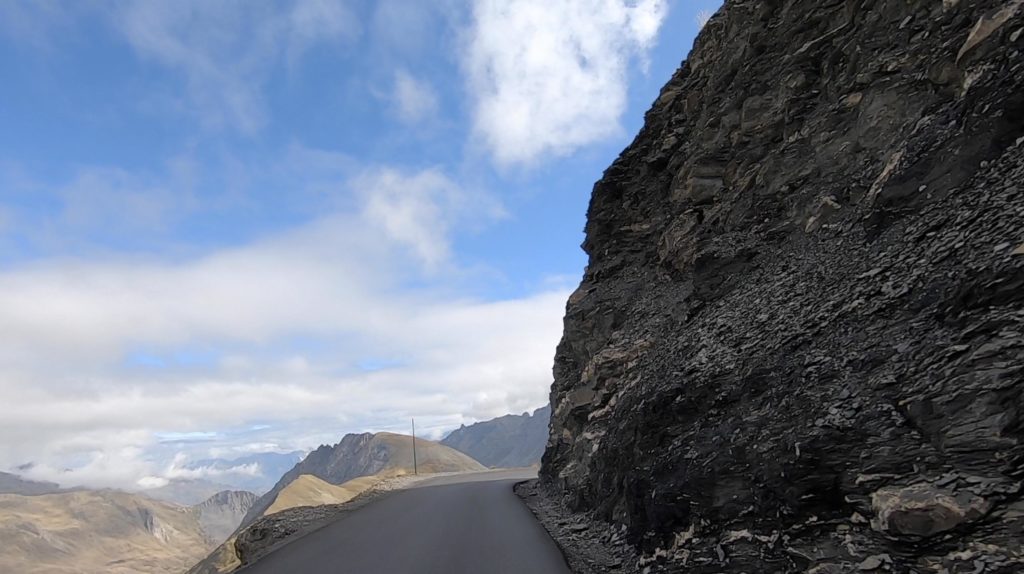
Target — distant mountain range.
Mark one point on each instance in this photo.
(106, 531)
(49, 529)
(14, 484)
(221, 514)
(186, 491)
(367, 454)
(505, 442)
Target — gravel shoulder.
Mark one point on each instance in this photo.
(590, 546)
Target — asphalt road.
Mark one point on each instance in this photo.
(464, 524)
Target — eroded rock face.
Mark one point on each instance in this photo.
(803, 315)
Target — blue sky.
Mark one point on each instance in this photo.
(264, 224)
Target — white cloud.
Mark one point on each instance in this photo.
(341, 280)
(149, 482)
(227, 50)
(419, 211)
(415, 100)
(179, 469)
(550, 76)
(339, 262)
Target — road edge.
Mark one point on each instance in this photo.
(589, 546)
(273, 532)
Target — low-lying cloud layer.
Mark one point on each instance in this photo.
(277, 330)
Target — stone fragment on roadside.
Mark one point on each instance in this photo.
(923, 510)
(875, 562)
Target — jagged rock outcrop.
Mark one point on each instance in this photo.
(221, 514)
(799, 342)
(505, 442)
(367, 454)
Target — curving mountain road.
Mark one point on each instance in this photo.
(470, 523)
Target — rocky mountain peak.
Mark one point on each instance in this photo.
(221, 514)
(233, 499)
(505, 442)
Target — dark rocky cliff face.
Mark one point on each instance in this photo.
(799, 342)
(505, 442)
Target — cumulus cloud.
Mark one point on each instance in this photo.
(283, 323)
(340, 263)
(414, 100)
(550, 76)
(419, 211)
(227, 50)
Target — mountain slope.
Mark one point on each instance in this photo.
(87, 532)
(221, 514)
(308, 490)
(505, 442)
(186, 491)
(797, 345)
(367, 454)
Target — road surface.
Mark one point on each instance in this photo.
(462, 524)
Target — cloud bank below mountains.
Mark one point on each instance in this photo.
(276, 330)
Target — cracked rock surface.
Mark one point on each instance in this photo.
(799, 342)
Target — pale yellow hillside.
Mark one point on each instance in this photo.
(430, 456)
(87, 532)
(308, 490)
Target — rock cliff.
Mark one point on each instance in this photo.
(799, 342)
(505, 442)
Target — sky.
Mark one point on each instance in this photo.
(234, 227)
